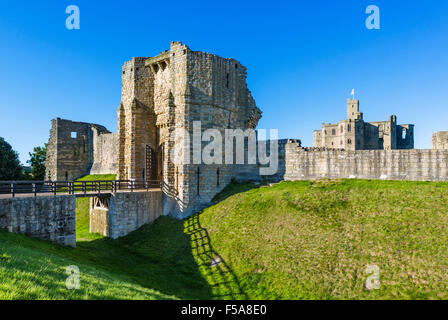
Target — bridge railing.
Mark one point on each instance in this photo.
(79, 188)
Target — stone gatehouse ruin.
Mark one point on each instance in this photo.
(159, 95)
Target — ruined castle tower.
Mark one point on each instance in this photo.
(79, 148)
(169, 91)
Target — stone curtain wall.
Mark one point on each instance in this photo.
(419, 165)
(49, 218)
(105, 153)
(252, 172)
(127, 211)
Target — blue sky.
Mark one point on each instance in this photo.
(303, 58)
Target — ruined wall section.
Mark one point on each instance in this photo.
(70, 149)
(134, 117)
(406, 130)
(51, 160)
(439, 140)
(105, 153)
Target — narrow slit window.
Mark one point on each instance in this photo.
(198, 173)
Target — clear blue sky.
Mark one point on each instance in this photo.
(303, 58)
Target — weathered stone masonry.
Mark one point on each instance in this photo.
(50, 218)
(170, 91)
(78, 148)
(356, 134)
(439, 140)
(419, 165)
(118, 214)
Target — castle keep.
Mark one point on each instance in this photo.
(354, 133)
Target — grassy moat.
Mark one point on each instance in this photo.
(292, 240)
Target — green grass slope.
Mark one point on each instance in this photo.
(314, 240)
(35, 269)
(82, 210)
(293, 240)
(96, 177)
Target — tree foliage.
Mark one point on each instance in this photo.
(37, 162)
(10, 167)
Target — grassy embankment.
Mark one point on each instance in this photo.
(293, 240)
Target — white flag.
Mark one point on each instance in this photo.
(353, 92)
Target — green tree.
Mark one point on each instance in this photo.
(37, 162)
(10, 168)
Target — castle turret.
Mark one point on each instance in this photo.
(353, 109)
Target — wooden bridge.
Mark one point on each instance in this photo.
(77, 188)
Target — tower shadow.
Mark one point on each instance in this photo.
(223, 281)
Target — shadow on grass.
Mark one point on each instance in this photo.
(225, 284)
(156, 256)
(172, 256)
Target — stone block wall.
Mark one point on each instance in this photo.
(171, 91)
(124, 212)
(70, 149)
(98, 220)
(418, 165)
(252, 172)
(439, 140)
(105, 153)
(50, 218)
